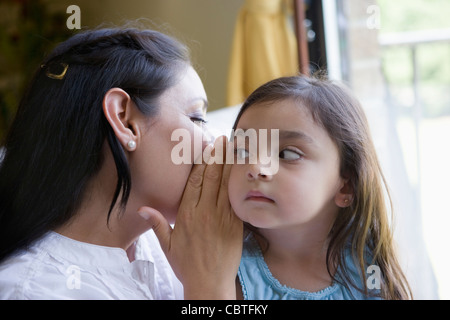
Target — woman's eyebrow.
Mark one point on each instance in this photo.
(200, 101)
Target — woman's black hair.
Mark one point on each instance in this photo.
(54, 145)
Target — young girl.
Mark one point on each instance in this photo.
(319, 226)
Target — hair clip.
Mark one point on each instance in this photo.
(60, 76)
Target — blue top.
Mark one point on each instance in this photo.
(258, 283)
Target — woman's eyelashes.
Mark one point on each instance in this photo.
(198, 118)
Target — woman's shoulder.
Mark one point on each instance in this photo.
(51, 268)
(21, 273)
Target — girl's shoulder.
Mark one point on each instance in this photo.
(356, 279)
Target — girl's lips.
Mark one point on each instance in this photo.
(258, 196)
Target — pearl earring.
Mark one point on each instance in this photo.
(131, 144)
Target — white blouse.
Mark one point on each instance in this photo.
(57, 267)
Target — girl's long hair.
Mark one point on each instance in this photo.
(54, 145)
(363, 227)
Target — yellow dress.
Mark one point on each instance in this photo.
(264, 47)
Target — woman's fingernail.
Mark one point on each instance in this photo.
(144, 215)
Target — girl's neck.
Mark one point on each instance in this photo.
(297, 256)
(293, 244)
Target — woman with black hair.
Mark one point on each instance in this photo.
(89, 147)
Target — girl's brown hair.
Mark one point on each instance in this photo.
(364, 225)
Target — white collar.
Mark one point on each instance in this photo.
(83, 253)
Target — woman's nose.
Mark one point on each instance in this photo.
(207, 137)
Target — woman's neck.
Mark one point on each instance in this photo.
(90, 223)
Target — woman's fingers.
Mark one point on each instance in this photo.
(205, 246)
(222, 198)
(193, 188)
(213, 174)
(204, 178)
(159, 225)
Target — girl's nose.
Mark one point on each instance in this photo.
(258, 172)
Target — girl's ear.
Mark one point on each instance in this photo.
(344, 196)
(118, 110)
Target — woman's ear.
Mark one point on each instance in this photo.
(118, 110)
(344, 196)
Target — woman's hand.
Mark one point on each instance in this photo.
(205, 246)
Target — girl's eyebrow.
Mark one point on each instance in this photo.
(285, 135)
(290, 134)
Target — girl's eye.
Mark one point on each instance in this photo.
(289, 155)
(241, 153)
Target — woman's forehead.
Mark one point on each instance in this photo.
(187, 92)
